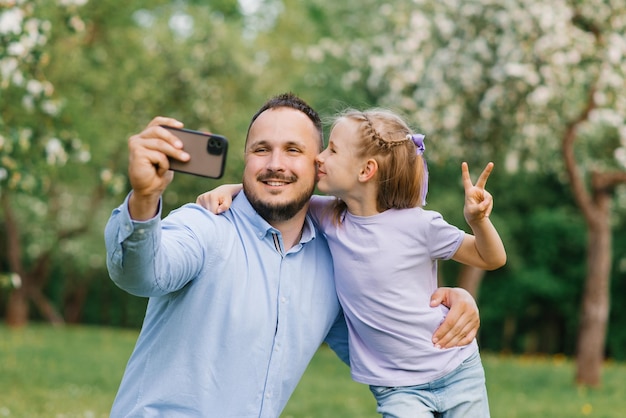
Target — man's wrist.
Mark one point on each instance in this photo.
(142, 208)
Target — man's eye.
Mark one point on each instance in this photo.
(297, 150)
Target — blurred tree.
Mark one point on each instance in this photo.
(522, 82)
(294, 44)
(113, 66)
(464, 73)
(35, 144)
(178, 59)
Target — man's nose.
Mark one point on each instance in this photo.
(276, 161)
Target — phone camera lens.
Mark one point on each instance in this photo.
(215, 146)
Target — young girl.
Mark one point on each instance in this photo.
(385, 248)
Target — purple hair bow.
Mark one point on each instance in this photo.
(418, 140)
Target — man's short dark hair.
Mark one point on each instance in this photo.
(294, 102)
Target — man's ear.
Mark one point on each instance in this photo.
(368, 170)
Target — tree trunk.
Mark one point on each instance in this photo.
(509, 328)
(17, 308)
(595, 303)
(596, 209)
(74, 303)
(32, 282)
(470, 279)
(45, 307)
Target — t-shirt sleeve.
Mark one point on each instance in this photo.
(443, 239)
(319, 208)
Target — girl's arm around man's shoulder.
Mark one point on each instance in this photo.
(319, 206)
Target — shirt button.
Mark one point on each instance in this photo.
(283, 299)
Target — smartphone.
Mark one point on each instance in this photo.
(207, 152)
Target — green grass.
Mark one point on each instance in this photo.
(74, 372)
(61, 372)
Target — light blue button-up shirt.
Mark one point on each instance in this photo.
(233, 319)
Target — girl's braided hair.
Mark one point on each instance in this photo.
(402, 174)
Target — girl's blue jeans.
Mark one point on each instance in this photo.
(459, 394)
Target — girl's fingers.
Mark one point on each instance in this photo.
(482, 180)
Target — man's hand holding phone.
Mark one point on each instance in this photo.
(164, 146)
(148, 168)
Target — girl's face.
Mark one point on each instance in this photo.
(338, 165)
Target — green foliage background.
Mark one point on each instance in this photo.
(115, 65)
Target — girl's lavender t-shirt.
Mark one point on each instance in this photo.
(385, 273)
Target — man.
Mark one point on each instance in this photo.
(239, 302)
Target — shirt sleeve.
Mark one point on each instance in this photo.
(144, 264)
(337, 338)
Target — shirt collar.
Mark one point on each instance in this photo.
(262, 228)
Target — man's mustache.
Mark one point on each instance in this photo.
(276, 176)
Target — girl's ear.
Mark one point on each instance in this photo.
(368, 170)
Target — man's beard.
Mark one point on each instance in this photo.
(277, 212)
